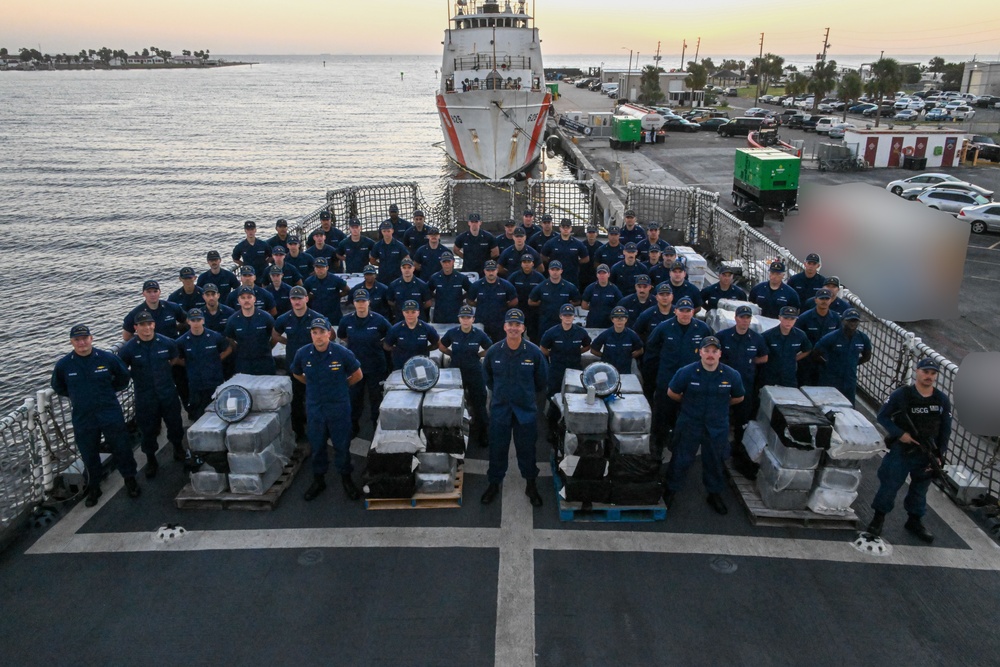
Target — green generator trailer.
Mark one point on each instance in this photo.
(626, 132)
(766, 179)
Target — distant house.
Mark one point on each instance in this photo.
(186, 60)
(145, 60)
(116, 62)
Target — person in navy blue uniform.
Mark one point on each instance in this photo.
(841, 352)
(188, 295)
(524, 281)
(475, 246)
(543, 234)
(613, 251)
(528, 222)
(724, 289)
(631, 231)
(564, 345)
(399, 225)
(328, 371)
(410, 338)
(510, 259)
(658, 272)
(550, 296)
(600, 298)
(506, 239)
(325, 291)
(786, 346)
(293, 330)
(466, 344)
(320, 249)
(674, 344)
(378, 293)
(743, 349)
(588, 270)
(387, 254)
(363, 331)
(428, 256)
(643, 326)
(264, 301)
(682, 287)
(249, 329)
(652, 240)
(638, 302)
(278, 290)
(91, 379)
(252, 251)
(516, 372)
(224, 280)
(773, 294)
(289, 274)
(201, 352)
(301, 260)
(169, 317)
(355, 250)
(915, 415)
(449, 289)
(837, 304)
(280, 237)
(817, 322)
(331, 236)
(705, 389)
(618, 345)
(417, 234)
(624, 272)
(151, 358)
(808, 281)
(216, 314)
(492, 296)
(570, 252)
(409, 288)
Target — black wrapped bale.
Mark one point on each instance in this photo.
(388, 464)
(586, 490)
(802, 427)
(390, 486)
(635, 468)
(636, 493)
(445, 439)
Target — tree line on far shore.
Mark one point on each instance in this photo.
(103, 55)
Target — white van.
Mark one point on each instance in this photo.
(824, 124)
(608, 87)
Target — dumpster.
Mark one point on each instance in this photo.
(914, 163)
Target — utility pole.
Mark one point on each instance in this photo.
(760, 70)
(683, 51)
(826, 45)
(656, 58)
(697, 48)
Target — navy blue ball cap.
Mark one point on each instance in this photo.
(320, 323)
(353, 222)
(79, 330)
(362, 295)
(143, 317)
(833, 280)
(669, 250)
(319, 232)
(418, 214)
(280, 222)
(813, 257)
(823, 293)
(393, 208)
(447, 256)
(292, 240)
(708, 341)
(150, 284)
(406, 262)
(788, 311)
(213, 254)
(565, 222)
(527, 257)
(370, 270)
(614, 230)
(209, 287)
(546, 217)
(475, 217)
(591, 229)
(555, 264)
(603, 268)
(529, 212)
(630, 213)
(274, 270)
(851, 314)
(247, 270)
(278, 250)
(642, 279)
(490, 265)
(514, 315)
(298, 292)
(519, 231)
(195, 314)
(187, 272)
(652, 225)
(744, 311)
(685, 303)
(249, 224)
(466, 311)
(324, 215)
(619, 311)
(678, 265)
(385, 225)
(925, 364)
(410, 304)
(245, 289)
(433, 231)
(509, 223)
(321, 261)
(654, 249)
(777, 266)
(664, 288)
(631, 247)
(567, 309)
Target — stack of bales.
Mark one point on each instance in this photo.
(696, 265)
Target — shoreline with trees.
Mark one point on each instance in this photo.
(28, 59)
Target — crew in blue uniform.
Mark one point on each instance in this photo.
(399, 225)
(588, 270)
(618, 345)
(290, 274)
(151, 358)
(409, 288)
(543, 235)
(216, 314)
(724, 289)
(524, 281)
(492, 296)
(658, 272)
(506, 239)
(264, 301)
(515, 373)
(417, 234)
(917, 420)
(355, 250)
(449, 289)
(250, 330)
(325, 291)
(638, 302)
(378, 293)
(280, 237)
(570, 252)
(465, 344)
(293, 330)
(563, 345)
(841, 352)
(743, 349)
(551, 295)
(632, 231)
(475, 246)
(428, 255)
(331, 235)
(682, 287)
(613, 251)
(188, 295)
(786, 346)
(252, 251)
(808, 281)
(528, 222)
(674, 344)
(773, 294)
(328, 371)
(300, 259)
(837, 305)
(816, 322)
(652, 240)
(624, 272)
(363, 331)
(201, 352)
(387, 254)
(648, 320)
(411, 337)
(91, 379)
(600, 298)
(169, 317)
(278, 290)
(510, 258)
(224, 280)
(705, 389)
(320, 249)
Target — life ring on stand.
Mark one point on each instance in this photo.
(587, 131)
(908, 151)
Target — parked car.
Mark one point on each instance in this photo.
(712, 124)
(906, 115)
(676, 124)
(767, 99)
(950, 201)
(824, 124)
(732, 92)
(840, 129)
(756, 112)
(810, 122)
(987, 101)
(897, 187)
(596, 85)
(937, 114)
(861, 107)
(963, 112)
(797, 119)
(886, 110)
(583, 83)
(957, 186)
(741, 126)
(982, 218)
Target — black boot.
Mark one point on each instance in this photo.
(355, 429)
(716, 503)
(349, 488)
(531, 490)
(132, 487)
(93, 493)
(316, 488)
(668, 497)
(875, 527)
(492, 491)
(152, 466)
(179, 452)
(916, 526)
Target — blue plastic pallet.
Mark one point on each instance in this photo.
(604, 513)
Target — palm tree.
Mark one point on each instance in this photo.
(797, 84)
(824, 79)
(849, 88)
(885, 79)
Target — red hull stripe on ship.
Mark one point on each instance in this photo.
(543, 113)
(449, 127)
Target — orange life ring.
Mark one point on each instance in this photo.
(908, 150)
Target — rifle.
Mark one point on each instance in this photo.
(935, 465)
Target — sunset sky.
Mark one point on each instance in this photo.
(726, 27)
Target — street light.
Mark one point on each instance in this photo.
(628, 80)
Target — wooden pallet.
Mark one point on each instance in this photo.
(423, 501)
(189, 499)
(760, 515)
(603, 512)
